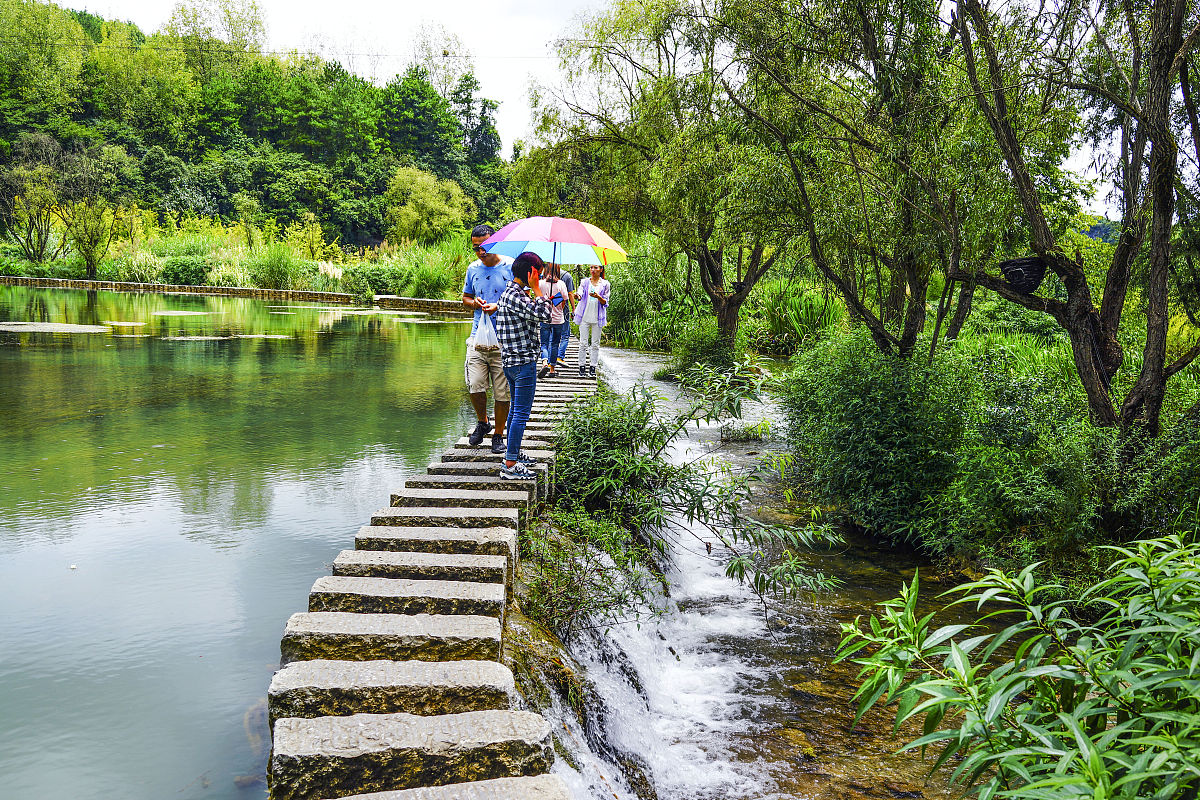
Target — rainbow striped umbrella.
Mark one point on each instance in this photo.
(558, 240)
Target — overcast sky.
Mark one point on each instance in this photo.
(511, 40)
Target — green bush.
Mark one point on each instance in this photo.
(275, 267)
(427, 280)
(138, 267)
(700, 342)
(1036, 700)
(874, 435)
(185, 270)
(185, 244)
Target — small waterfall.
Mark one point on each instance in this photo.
(675, 696)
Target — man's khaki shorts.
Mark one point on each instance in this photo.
(484, 368)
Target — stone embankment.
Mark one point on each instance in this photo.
(388, 301)
(391, 686)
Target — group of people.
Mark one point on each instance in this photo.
(531, 305)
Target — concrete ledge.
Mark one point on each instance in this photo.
(323, 688)
(539, 787)
(403, 596)
(332, 757)
(397, 637)
(447, 517)
(449, 307)
(497, 497)
(420, 566)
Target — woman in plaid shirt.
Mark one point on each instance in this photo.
(518, 326)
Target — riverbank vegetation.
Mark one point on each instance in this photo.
(889, 193)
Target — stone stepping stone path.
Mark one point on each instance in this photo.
(390, 685)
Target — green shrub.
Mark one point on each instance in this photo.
(229, 275)
(582, 569)
(700, 342)
(873, 435)
(185, 244)
(185, 270)
(1037, 700)
(137, 267)
(275, 267)
(427, 280)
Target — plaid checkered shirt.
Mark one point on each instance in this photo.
(517, 324)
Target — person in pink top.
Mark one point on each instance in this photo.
(555, 291)
(591, 313)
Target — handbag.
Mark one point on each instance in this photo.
(485, 334)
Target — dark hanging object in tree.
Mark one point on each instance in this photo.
(1024, 274)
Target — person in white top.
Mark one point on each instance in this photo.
(591, 314)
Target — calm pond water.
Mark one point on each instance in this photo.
(172, 480)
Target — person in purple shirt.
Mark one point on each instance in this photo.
(591, 313)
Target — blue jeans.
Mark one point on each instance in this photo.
(522, 381)
(550, 340)
(566, 338)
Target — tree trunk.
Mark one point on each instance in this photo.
(966, 296)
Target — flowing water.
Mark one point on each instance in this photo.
(721, 700)
(175, 471)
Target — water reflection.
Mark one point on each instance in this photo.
(199, 486)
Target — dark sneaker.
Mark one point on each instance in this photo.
(481, 430)
(548, 375)
(524, 459)
(498, 443)
(517, 472)
(542, 372)
(583, 372)
(592, 371)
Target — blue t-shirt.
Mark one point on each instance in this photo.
(487, 283)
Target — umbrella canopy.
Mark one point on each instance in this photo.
(558, 240)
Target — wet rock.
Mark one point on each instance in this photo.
(798, 740)
(540, 787)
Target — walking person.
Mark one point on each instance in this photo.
(568, 315)
(591, 314)
(485, 281)
(517, 324)
(554, 290)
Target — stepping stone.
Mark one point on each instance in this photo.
(544, 439)
(420, 566)
(460, 498)
(323, 688)
(540, 482)
(346, 636)
(538, 787)
(489, 456)
(332, 757)
(449, 517)
(479, 482)
(468, 541)
(404, 596)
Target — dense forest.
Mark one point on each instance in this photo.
(196, 120)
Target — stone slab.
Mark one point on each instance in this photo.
(449, 517)
(496, 541)
(537, 787)
(333, 757)
(345, 636)
(404, 596)
(483, 482)
(421, 566)
(324, 688)
(539, 456)
(498, 497)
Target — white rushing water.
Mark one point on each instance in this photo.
(698, 691)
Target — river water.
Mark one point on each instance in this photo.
(722, 700)
(175, 471)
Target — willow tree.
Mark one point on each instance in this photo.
(1129, 62)
(642, 106)
(871, 157)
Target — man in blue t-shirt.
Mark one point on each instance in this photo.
(486, 278)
